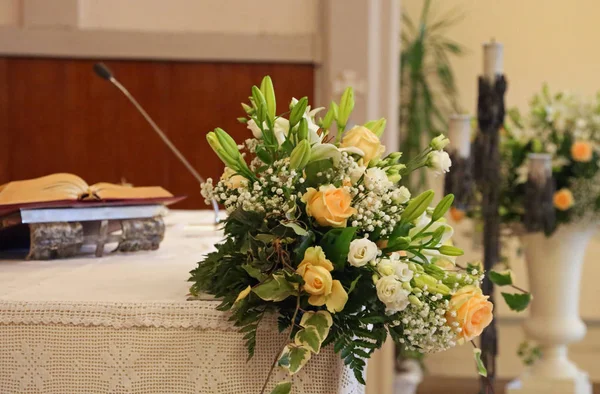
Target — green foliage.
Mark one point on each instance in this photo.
(282, 388)
(428, 90)
(500, 278)
(276, 288)
(336, 244)
(517, 302)
(293, 358)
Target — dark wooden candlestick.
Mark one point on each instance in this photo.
(490, 116)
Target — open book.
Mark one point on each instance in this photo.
(65, 189)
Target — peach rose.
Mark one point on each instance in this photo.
(563, 199)
(582, 151)
(232, 180)
(329, 205)
(364, 139)
(471, 310)
(315, 269)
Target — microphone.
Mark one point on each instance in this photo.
(104, 72)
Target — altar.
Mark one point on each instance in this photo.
(122, 324)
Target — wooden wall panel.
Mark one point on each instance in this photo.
(56, 115)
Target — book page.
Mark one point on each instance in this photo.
(53, 187)
(110, 191)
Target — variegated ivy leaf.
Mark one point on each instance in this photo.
(504, 278)
(309, 338)
(480, 367)
(321, 320)
(282, 388)
(293, 358)
(274, 289)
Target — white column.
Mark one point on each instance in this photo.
(359, 43)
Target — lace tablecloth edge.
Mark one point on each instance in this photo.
(190, 314)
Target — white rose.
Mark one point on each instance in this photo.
(376, 179)
(393, 266)
(361, 252)
(401, 195)
(439, 161)
(391, 293)
(356, 172)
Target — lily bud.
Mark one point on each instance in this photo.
(415, 301)
(302, 129)
(439, 142)
(227, 143)
(300, 155)
(375, 278)
(406, 286)
(248, 109)
(214, 143)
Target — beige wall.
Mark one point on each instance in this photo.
(544, 41)
(282, 17)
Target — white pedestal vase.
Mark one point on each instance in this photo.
(407, 381)
(554, 268)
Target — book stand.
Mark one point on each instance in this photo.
(62, 232)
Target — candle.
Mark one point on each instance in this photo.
(493, 60)
(539, 191)
(459, 133)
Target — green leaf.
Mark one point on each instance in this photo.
(442, 207)
(297, 229)
(517, 302)
(480, 367)
(254, 272)
(265, 238)
(448, 250)
(282, 388)
(266, 87)
(336, 244)
(306, 242)
(274, 289)
(309, 338)
(399, 243)
(321, 321)
(264, 155)
(417, 206)
(501, 278)
(293, 358)
(346, 107)
(353, 284)
(314, 168)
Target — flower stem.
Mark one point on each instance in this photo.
(279, 353)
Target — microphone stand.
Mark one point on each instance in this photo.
(104, 72)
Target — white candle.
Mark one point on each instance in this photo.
(459, 134)
(493, 60)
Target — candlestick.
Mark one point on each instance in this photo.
(493, 60)
(459, 133)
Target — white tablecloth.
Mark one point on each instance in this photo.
(121, 324)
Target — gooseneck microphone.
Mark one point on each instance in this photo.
(104, 72)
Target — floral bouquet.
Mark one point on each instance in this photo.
(320, 232)
(567, 128)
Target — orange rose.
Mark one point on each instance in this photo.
(471, 311)
(563, 199)
(582, 151)
(315, 269)
(329, 206)
(364, 139)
